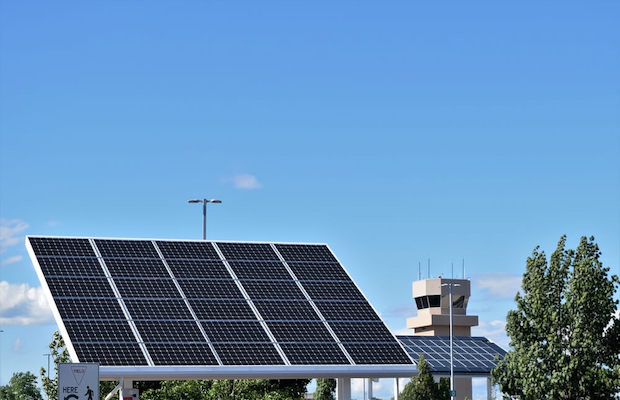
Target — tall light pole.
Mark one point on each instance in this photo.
(48, 364)
(450, 285)
(204, 213)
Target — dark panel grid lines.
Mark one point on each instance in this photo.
(198, 269)
(361, 332)
(340, 310)
(146, 288)
(333, 291)
(136, 267)
(70, 266)
(377, 353)
(115, 248)
(80, 287)
(259, 270)
(314, 353)
(300, 332)
(248, 251)
(248, 354)
(157, 309)
(62, 247)
(286, 310)
(188, 250)
(222, 309)
(181, 354)
(319, 271)
(306, 252)
(210, 289)
(99, 331)
(110, 354)
(81, 308)
(235, 331)
(280, 290)
(169, 331)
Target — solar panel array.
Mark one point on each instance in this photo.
(157, 302)
(470, 354)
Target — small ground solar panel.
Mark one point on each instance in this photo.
(138, 302)
(471, 354)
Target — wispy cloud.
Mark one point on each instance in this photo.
(21, 304)
(244, 181)
(500, 285)
(494, 330)
(17, 345)
(11, 260)
(11, 232)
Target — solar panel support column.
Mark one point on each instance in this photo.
(247, 297)
(343, 389)
(396, 389)
(117, 293)
(489, 388)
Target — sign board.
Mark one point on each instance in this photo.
(452, 393)
(78, 381)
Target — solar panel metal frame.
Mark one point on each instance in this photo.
(159, 372)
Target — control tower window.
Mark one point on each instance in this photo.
(434, 301)
(459, 302)
(421, 302)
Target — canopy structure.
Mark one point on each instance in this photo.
(151, 309)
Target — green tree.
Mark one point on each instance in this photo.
(563, 333)
(59, 354)
(325, 389)
(21, 386)
(423, 386)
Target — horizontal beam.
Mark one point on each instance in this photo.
(159, 373)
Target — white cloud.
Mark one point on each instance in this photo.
(17, 345)
(245, 181)
(11, 232)
(11, 260)
(494, 330)
(21, 304)
(402, 331)
(500, 285)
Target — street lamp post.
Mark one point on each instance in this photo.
(450, 285)
(204, 213)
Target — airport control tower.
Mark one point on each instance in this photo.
(433, 319)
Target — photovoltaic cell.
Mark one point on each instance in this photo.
(286, 310)
(222, 309)
(61, 247)
(181, 354)
(314, 353)
(136, 267)
(110, 354)
(70, 266)
(306, 252)
(188, 250)
(157, 309)
(210, 289)
(248, 354)
(80, 287)
(259, 270)
(273, 290)
(318, 271)
(361, 332)
(377, 353)
(169, 331)
(146, 288)
(235, 331)
(247, 251)
(100, 331)
(81, 308)
(333, 291)
(347, 310)
(110, 248)
(198, 269)
(300, 331)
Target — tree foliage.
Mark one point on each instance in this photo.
(59, 354)
(325, 389)
(564, 334)
(423, 386)
(21, 386)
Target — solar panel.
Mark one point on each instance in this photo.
(471, 354)
(146, 302)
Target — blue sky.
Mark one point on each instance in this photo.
(392, 131)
